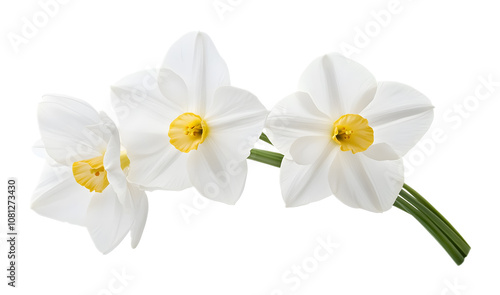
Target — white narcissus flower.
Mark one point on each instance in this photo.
(344, 134)
(84, 180)
(185, 126)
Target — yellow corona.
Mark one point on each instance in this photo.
(352, 133)
(187, 132)
(91, 173)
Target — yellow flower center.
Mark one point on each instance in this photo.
(352, 133)
(91, 173)
(187, 132)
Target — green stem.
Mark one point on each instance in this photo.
(457, 240)
(409, 201)
(421, 199)
(433, 229)
(266, 157)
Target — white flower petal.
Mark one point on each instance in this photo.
(64, 123)
(141, 214)
(304, 184)
(361, 182)
(115, 175)
(196, 60)
(174, 89)
(137, 97)
(399, 116)
(163, 168)
(60, 197)
(338, 85)
(39, 150)
(235, 120)
(294, 117)
(306, 150)
(216, 176)
(381, 152)
(145, 116)
(107, 220)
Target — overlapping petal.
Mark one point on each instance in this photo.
(107, 220)
(381, 151)
(399, 116)
(303, 184)
(174, 90)
(138, 96)
(115, 174)
(306, 150)
(338, 85)
(196, 60)
(145, 115)
(64, 128)
(361, 182)
(215, 174)
(294, 117)
(59, 197)
(235, 120)
(141, 206)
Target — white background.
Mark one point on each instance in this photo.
(443, 49)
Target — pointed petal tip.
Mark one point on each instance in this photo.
(33, 205)
(296, 202)
(290, 205)
(114, 89)
(134, 244)
(105, 252)
(231, 203)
